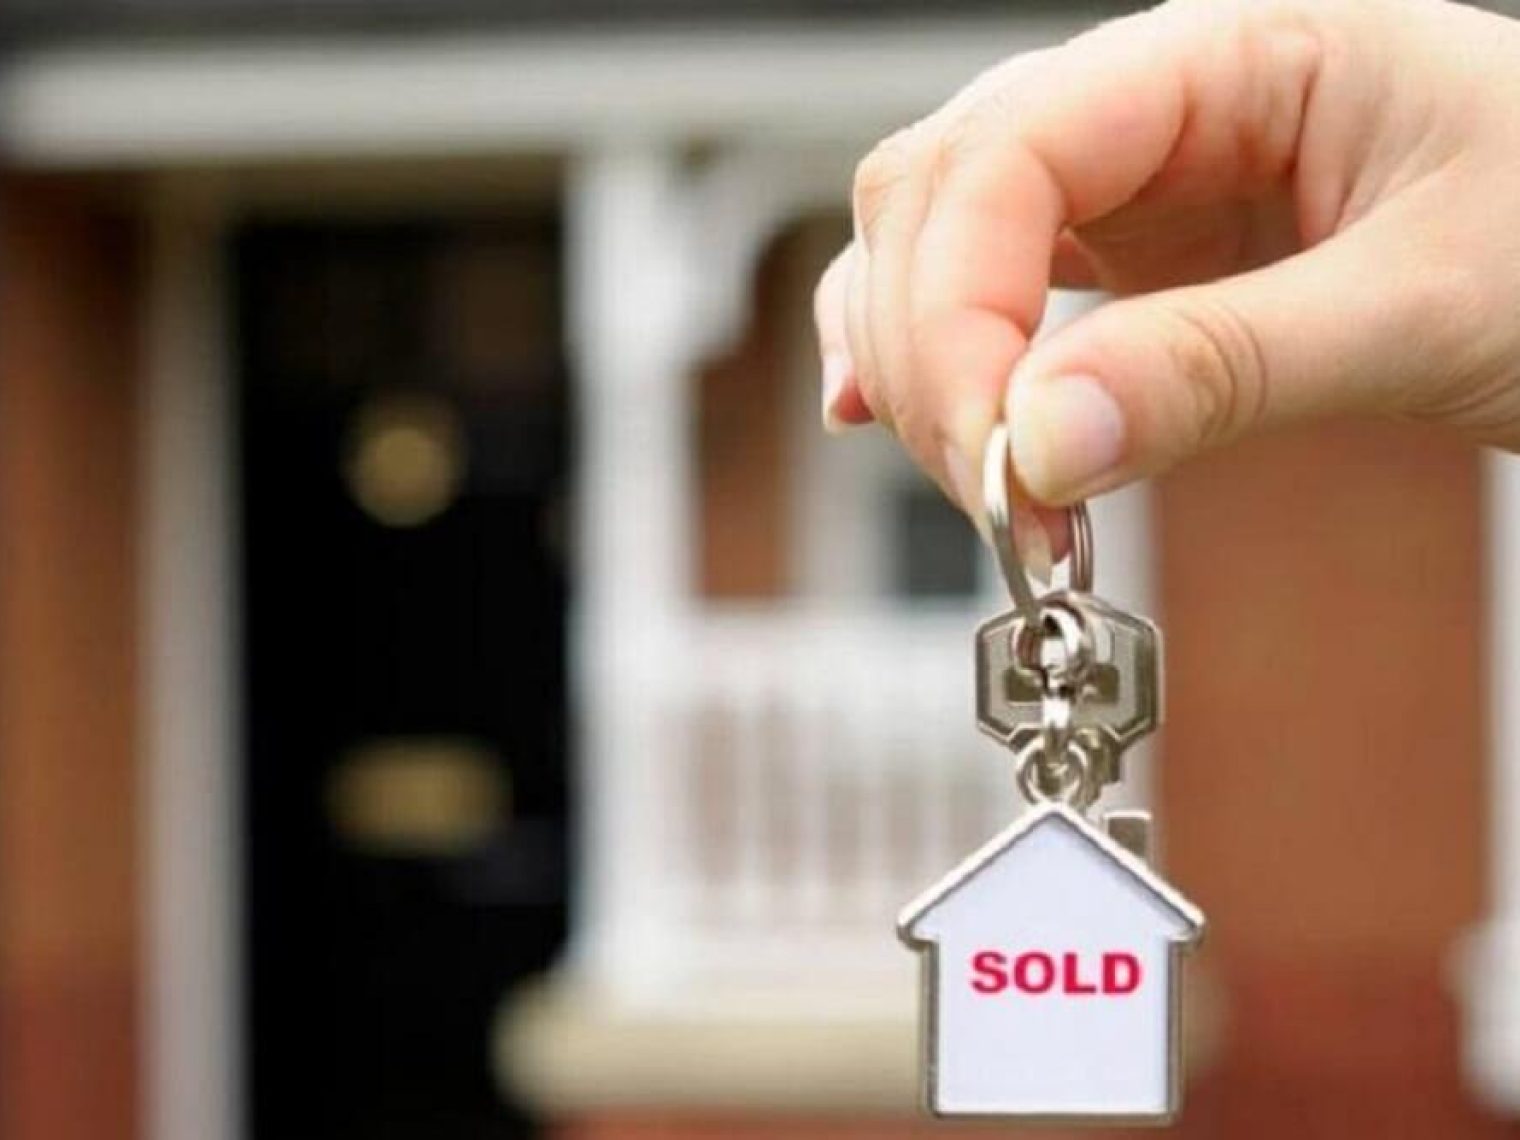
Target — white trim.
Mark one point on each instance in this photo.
(1504, 657)
(193, 1031)
(1489, 966)
(352, 97)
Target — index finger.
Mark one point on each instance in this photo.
(1045, 149)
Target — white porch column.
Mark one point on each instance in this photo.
(633, 546)
(661, 256)
(1491, 967)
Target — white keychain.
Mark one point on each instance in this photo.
(1052, 958)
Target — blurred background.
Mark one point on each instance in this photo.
(450, 687)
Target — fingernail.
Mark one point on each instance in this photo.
(968, 493)
(837, 369)
(1067, 433)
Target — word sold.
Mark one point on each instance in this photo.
(1113, 973)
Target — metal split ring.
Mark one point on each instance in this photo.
(997, 498)
(1057, 710)
(1059, 619)
(1069, 780)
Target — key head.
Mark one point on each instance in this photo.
(1120, 696)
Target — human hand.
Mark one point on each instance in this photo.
(1306, 207)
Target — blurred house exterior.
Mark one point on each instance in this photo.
(448, 680)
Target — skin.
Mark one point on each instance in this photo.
(1302, 208)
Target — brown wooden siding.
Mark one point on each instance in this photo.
(68, 711)
(1323, 770)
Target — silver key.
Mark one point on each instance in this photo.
(1119, 688)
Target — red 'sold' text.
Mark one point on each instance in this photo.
(1112, 973)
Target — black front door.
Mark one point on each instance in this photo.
(402, 469)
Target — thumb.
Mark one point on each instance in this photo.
(1359, 323)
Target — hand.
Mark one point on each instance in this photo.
(1305, 207)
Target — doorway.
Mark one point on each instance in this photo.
(402, 467)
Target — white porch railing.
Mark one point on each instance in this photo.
(821, 770)
(813, 773)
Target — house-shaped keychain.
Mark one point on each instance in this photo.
(1052, 977)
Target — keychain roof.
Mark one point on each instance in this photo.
(1189, 918)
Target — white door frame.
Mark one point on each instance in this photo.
(191, 797)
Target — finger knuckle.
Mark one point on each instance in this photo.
(916, 433)
(1220, 358)
(1464, 337)
(875, 398)
(901, 409)
(968, 134)
(880, 178)
(1456, 298)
